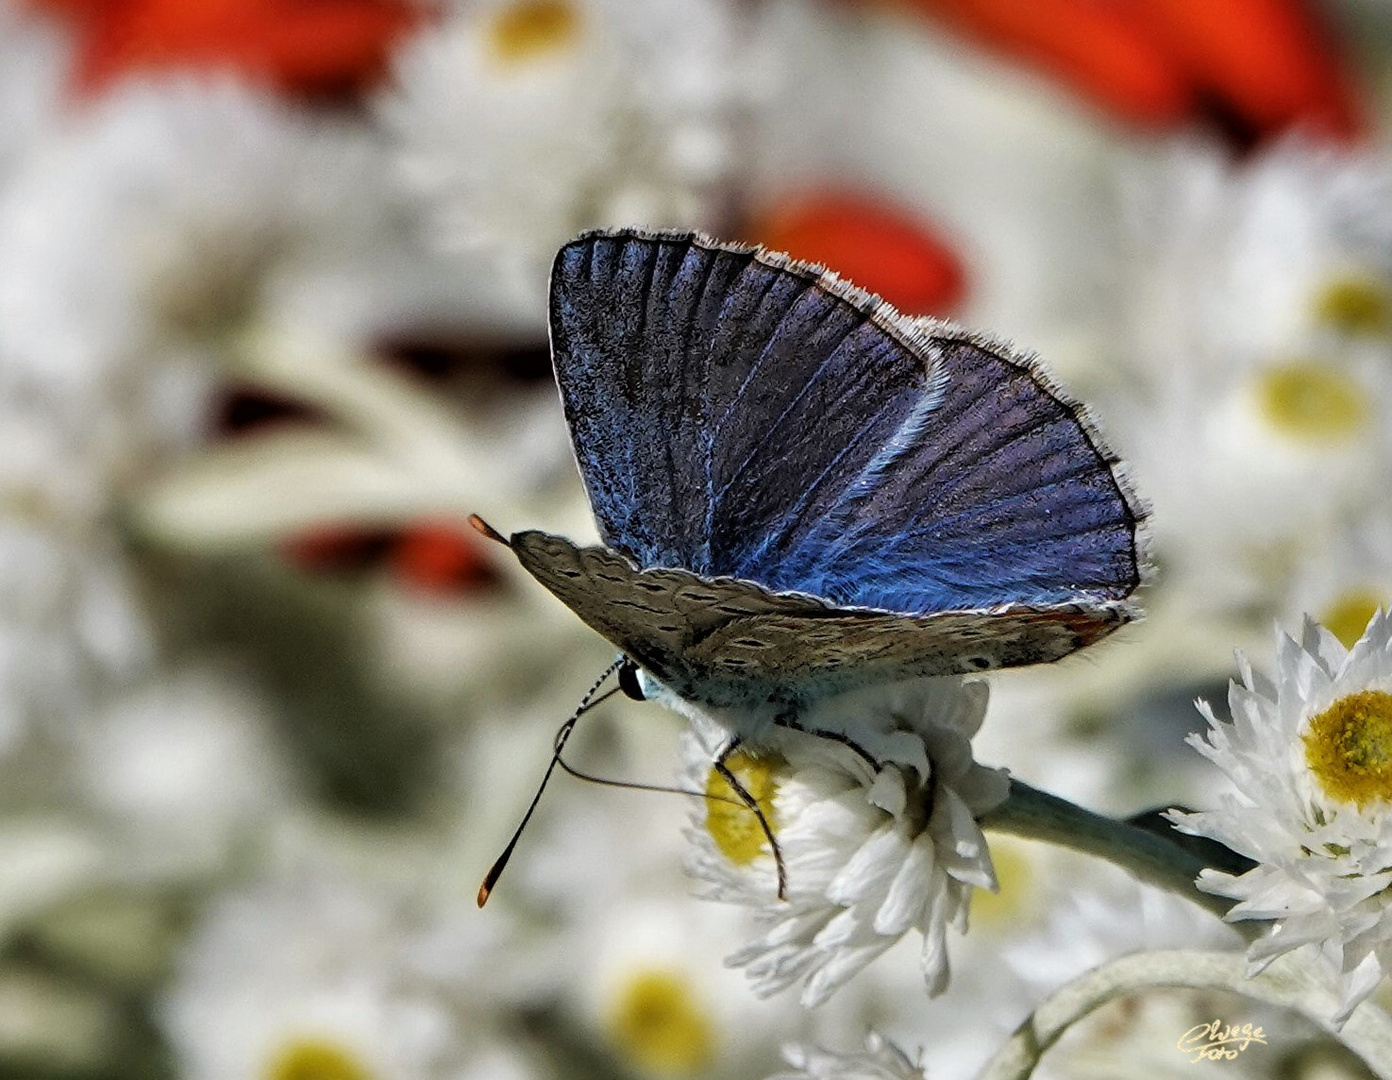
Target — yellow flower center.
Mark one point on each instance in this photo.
(1310, 402)
(30, 505)
(528, 30)
(1350, 614)
(733, 825)
(659, 1025)
(1349, 748)
(1354, 304)
(316, 1059)
(1015, 874)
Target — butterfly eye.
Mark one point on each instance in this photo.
(628, 681)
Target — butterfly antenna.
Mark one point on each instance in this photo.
(635, 785)
(727, 774)
(496, 871)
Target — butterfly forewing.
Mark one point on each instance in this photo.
(703, 383)
(736, 413)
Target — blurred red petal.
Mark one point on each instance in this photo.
(1258, 66)
(1097, 47)
(336, 548)
(315, 47)
(80, 9)
(441, 558)
(1267, 61)
(880, 248)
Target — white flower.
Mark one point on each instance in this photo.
(868, 857)
(182, 766)
(1260, 256)
(880, 1060)
(1346, 576)
(72, 626)
(322, 976)
(170, 215)
(152, 240)
(32, 71)
(1310, 756)
(956, 1031)
(523, 121)
(138, 233)
(1256, 397)
(647, 982)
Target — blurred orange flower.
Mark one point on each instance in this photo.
(1267, 62)
(880, 248)
(1098, 47)
(1259, 67)
(435, 558)
(302, 47)
(440, 558)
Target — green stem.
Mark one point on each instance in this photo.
(1299, 981)
(1037, 815)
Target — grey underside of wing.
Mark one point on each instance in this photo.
(727, 641)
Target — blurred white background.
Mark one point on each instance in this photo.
(272, 325)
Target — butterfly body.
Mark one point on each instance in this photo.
(802, 492)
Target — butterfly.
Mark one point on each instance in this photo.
(801, 491)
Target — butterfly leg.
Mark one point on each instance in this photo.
(745, 797)
(790, 720)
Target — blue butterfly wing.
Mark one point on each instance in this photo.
(997, 492)
(737, 413)
(673, 355)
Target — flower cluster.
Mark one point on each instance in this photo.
(1309, 755)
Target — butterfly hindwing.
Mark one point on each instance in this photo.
(739, 414)
(1002, 494)
(731, 642)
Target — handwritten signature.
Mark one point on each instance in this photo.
(1219, 1042)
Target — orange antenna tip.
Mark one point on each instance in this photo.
(493, 534)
